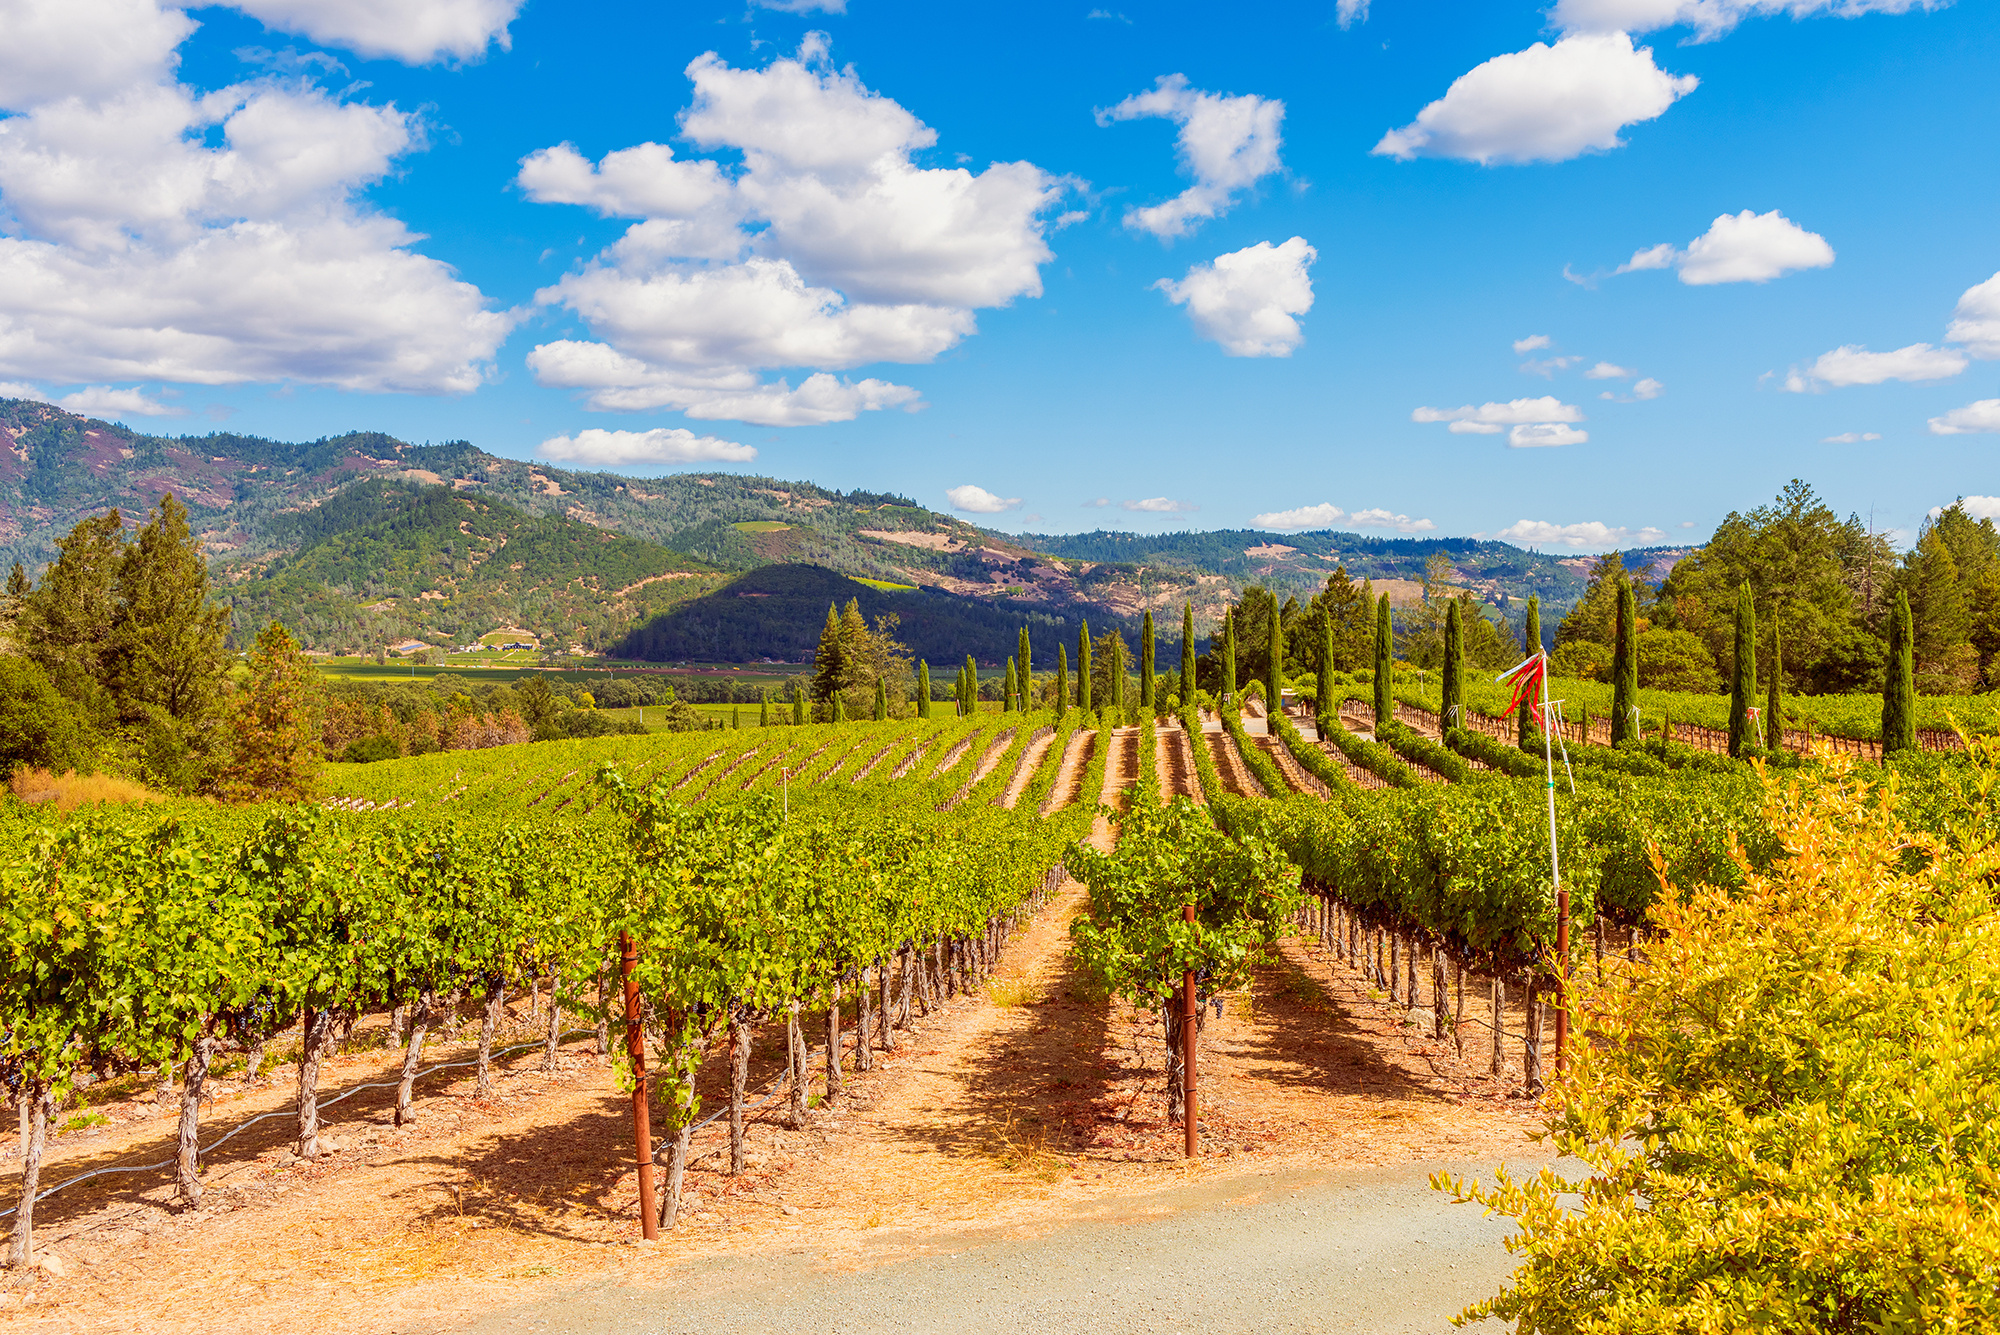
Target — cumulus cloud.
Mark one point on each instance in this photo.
(662, 445)
(1850, 437)
(1488, 418)
(1741, 247)
(1849, 365)
(979, 501)
(1226, 144)
(1097, 504)
(1976, 321)
(104, 401)
(164, 233)
(1391, 520)
(1324, 515)
(826, 248)
(1607, 371)
(803, 6)
(1710, 18)
(1973, 417)
(1546, 367)
(1979, 507)
(1245, 300)
(1158, 505)
(1522, 346)
(1351, 12)
(1549, 103)
(1642, 389)
(1588, 536)
(415, 32)
(1537, 434)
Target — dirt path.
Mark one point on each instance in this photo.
(1236, 776)
(1295, 774)
(1030, 765)
(1177, 772)
(1069, 779)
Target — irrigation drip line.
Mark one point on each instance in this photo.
(289, 1112)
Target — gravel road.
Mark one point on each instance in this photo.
(1371, 1250)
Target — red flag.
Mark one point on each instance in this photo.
(1527, 679)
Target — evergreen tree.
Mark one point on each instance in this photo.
(1385, 656)
(1146, 661)
(1187, 654)
(1531, 644)
(1625, 665)
(275, 729)
(1024, 654)
(1062, 680)
(1324, 708)
(1275, 701)
(1774, 690)
(1743, 679)
(971, 685)
(798, 704)
(1229, 654)
(1899, 703)
(830, 659)
(67, 624)
(1083, 668)
(1116, 655)
(1008, 691)
(838, 713)
(764, 708)
(1451, 708)
(736, 718)
(881, 701)
(923, 689)
(18, 589)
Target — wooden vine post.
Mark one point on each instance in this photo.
(635, 1049)
(1190, 1018)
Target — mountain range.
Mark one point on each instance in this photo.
(360, 539)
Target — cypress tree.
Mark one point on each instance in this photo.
(798, 704)
(1743, 680)
(1899, 703)
(736, 717)
(881, 702)
(923, 689)
(839, 708)
(1146, 661)
(1024, 654)
(1116, 672)
(1009, 690)
(764, 708)
(971, 685)
(1625, 665)
(1083, 668)
(1324, 707)
(1276, 685)
(1451, 705)
(1229, 654)
(1774, 690)
(1062, 680)
(1385, 650)
(1531, 644)
(1187, 653)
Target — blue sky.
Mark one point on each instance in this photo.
(1054, 266)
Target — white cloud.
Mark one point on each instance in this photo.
(1741, 247)
(1544, 104)
(1097, 504)
(1245, 300)
(1537, 434)
(162, 233)
(1530, 343)
(1391, 520)
(1158, 505)
(1587, 536)
(1226, 143)
(1976, 321)
(1323, 515)
(1916, 364)
(827, 248)
(979, 501)
(803, 6)
(104, 401)
(1973, 417)
(1351, 12)
(1711, 18)
(662, 445)
(1548, 366)
(1850, 437)
(1606, 371)
(415, 32)
(1642, 390)
(1979, 507)
(1488, 418)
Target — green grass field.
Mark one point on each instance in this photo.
(760, 526)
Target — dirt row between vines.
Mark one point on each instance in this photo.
(1025, 1106)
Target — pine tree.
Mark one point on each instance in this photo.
(923, 689)
(1451, 705)
(1146, 662)
(1062, 680)
(1625, 665)
(1275, 702)
(1899, 703)
(1774, 690)
(1083, 668)
(1531, 644)
(829, 659)
(881, 702)
(1008, 691)
(1743, 679)
(1229, 654)
(1385, 657)
(1024, 654)
(274, 733)
(1187, 654)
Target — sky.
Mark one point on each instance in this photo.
(1575, 276)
